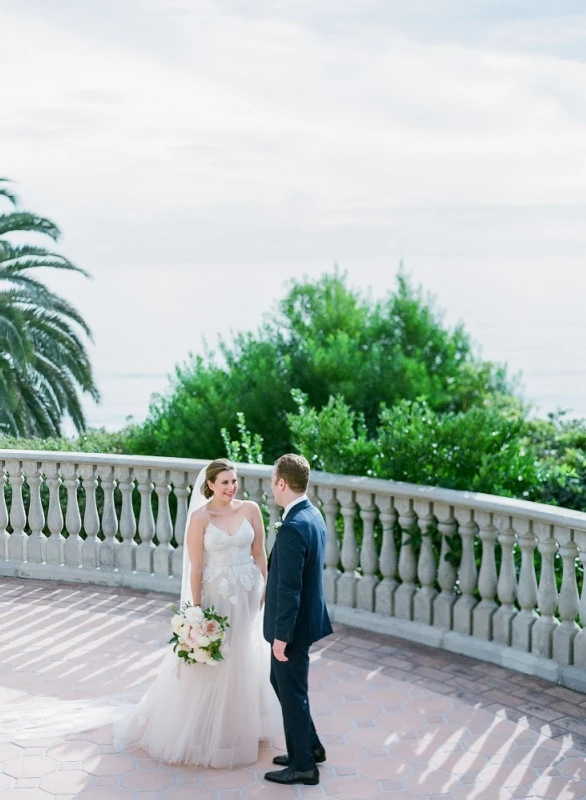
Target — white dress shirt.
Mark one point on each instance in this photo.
(294, 503)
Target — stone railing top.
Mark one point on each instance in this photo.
(501, 506)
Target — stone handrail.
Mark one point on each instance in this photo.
(391, 563)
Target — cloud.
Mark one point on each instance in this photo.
(237, 128)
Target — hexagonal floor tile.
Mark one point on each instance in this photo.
(227, 778)
(108, 764)
(66, 782)
(150, 780)
(31, 767)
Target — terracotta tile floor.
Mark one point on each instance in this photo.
(399, 721)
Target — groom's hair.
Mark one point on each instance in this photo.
(294, 470)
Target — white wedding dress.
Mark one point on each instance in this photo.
(213, 716)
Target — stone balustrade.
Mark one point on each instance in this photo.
(471, 573)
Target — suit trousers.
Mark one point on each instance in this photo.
(289, 680)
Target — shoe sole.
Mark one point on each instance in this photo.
(303, 781)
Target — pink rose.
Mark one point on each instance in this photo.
(194, 634)
(210, 627)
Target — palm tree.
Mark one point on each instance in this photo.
(43, 362)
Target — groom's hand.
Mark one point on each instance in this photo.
(279, 650)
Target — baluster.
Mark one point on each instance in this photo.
(527, 588)
(274, 514)
(180, 481)
(254, 489)
(90, 549)
(146, 522)
(388, 563)
(18, 538)
(72, 545)
(346, 588)
(4, 535)
(569, 600)
(108, 550)
(547, 594)
(467, 574)
(127, 549)
(54, 544)
(35, 548)
(483, 614)
(368, 557)
(332, 557)
(407, 563)
(426, 566)
(446, 572)
(164, 527)
(502, 620)
(580, 640)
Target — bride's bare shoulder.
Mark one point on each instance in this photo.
(251, 508)
(199, 517)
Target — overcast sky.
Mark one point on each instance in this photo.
(233, 144)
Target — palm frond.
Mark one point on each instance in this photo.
(14, 339)
(11, 259)
(35, 298)
(20, 221)
(56, 326)
(4, 192)
(44, 365)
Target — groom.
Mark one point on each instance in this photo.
(295, 617)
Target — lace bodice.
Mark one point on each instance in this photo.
(229, 556)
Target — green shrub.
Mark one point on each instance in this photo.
(326, 340)
(484, 449)
(93, 440)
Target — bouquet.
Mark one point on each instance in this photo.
(198, 634)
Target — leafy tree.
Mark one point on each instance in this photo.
(43, 361)
(326, 340)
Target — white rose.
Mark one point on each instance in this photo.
(177, 623)
(211, 662)
(203, 641)
(194, 614)
(200, 657)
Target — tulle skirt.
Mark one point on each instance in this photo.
(212, 716)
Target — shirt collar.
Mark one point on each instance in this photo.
(294, 503)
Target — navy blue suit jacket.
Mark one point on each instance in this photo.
(295, 608)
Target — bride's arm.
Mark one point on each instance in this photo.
(195, 552)
(258, 550)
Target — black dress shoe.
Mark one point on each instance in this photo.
(283, 761)
(289, 776)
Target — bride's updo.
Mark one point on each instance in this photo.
(212, 472)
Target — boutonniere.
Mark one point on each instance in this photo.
(276, 527)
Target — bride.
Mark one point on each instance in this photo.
(214, 716)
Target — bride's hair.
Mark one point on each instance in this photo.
(212, 472)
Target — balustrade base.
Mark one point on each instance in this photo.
(463, 608)
(502, 624)
(492, 652)
(128, 580)
(482, 619)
